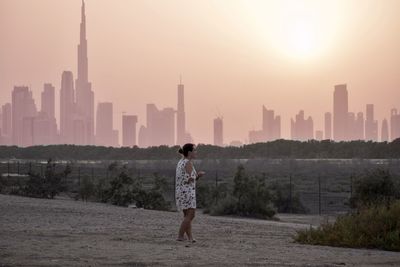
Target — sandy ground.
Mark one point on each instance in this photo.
(38, 232)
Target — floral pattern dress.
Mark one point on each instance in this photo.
(185, 194)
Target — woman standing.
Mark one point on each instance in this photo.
(185, 190)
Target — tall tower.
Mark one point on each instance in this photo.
(385, 131)
(340, 113)
(328, 125)
(67, 108)
(218, 132)
(129, 130)
(23, 108)
(84, 93)
(371, 125)
(180, 115)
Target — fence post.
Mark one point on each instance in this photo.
(18, 167)
(30, 167)
(290, 193)
(8, 168)
(319, 194)
(41, 169)
(351, 185)
(79, 175)
(216, 187)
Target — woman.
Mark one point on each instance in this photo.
(185, 190)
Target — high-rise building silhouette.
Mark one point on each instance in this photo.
(302, 129)
(67, 108)
(359, 127)
(385, 131)
(6, 129)
(48, 100)
(23, 106)
(355, 126)
(104, 124)
(218, 132)
(129, 130)
(328, 125)
(271, 125)
(371, 125)
(27, 131)
(182, 136)
(44, 129)
(143, 140)
(46, 123)
(160, 127)
(340, 113)
(84, 93)
(394, 124)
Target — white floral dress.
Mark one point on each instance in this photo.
(185, 194)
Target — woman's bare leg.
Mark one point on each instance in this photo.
(190, 217)
(183, 227)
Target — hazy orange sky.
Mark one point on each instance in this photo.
(234, 56)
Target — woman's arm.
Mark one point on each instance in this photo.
(189, 178)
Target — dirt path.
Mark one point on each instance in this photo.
(37, 232)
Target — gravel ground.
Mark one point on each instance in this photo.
(63, 232)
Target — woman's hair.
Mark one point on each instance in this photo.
(185, 149)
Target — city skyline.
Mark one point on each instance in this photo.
(253, 118)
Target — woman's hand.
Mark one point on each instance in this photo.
(199, 174)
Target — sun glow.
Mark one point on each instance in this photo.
(297, 29)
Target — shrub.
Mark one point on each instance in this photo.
(282, 200)
(371, 227)
(48, 186)
(250, 198)
(374, 188)
(86, 188)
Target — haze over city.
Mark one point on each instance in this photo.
(233, 59)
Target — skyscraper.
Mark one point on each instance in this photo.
(180, 115)
(328, 125)
(104, 124)
(129, 130)
(45, 124)
(48, 100)
(67, 108)
(23, 106)
(302, 129)
(84, 93)
(371, 125)
(218, 132)
(359, 127)
(394, 124)
(385, 131)
(340, 113)
(160, 128)
(271, 124)
(6, 129)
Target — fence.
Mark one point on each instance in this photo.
(322, 187)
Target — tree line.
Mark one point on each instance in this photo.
(275, 149)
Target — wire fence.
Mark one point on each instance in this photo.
(323, 190)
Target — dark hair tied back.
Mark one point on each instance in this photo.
(185, 149)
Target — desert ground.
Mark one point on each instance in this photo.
(63, 232)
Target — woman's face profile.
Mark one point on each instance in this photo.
(193, 154)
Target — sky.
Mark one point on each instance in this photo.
(234, 56)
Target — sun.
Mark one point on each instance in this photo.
(302, 30)
(300, 40)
